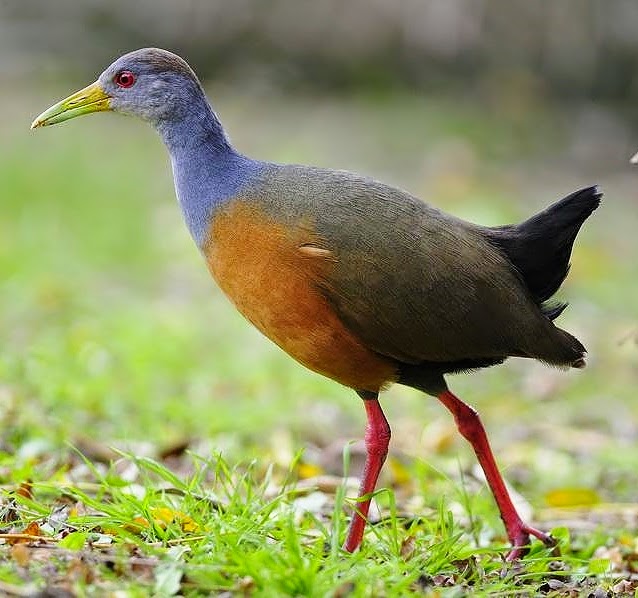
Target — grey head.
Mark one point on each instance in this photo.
(153, 84)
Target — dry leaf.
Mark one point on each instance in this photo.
(95, 450)
(33, 529)
(81, 571)
(177, 449)
(442, 580)
(20, 554)
(439, 436)
(135, 527)
(25, 490)
(345, 589)
(27, 535)
(400, 473)
(571, 497)
(625, 587)
(408, 546)
(164, 516)
(246, 584)
(308, 470)
(328, 484)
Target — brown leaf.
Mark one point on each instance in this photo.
(466, 567)
(331, 458)
(9, 512)
(246, 584)
(135, 527)
(25, 490)
(408, 546)
(30, 534)
(553, 585)
(326, 483)
(177, 449)
(345, 589)
(625, 587)
(20, 554)
(442, 580)
(80, 571)
(33, 529)
(95, 450)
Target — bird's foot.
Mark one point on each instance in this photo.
(520, 542)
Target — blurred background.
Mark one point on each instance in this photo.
(110, 328)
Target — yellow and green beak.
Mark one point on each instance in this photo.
(90, 99)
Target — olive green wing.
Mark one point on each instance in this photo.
(413, 283)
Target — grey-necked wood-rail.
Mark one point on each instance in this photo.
(355, 279)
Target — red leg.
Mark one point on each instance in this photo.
(377, 439)
(471, 428)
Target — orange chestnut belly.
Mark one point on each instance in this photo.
(258, 265)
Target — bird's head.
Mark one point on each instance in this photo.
(152, 84)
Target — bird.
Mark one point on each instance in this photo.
(356, 279)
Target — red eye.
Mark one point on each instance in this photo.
(124, 79)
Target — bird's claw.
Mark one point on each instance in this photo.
(521, 541)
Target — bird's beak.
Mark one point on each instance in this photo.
(634, 158)
(90, 99)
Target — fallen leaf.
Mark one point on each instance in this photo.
(246, 584)
(164, 517)
(443, 581)
(9, 512)
(345, 589)
(439, 436)
(408, 546)
(177, 449)
(572, 497)
(95, 450)
(625, 587)
(327, 483)
(400, 473)
(80, 570)
(20, 554)
(25, 490)
(308, 470)
(29, 534)
(135, 527)
(553, 585)
(466, 567)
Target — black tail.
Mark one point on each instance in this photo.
(540, 247)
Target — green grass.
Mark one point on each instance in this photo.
(113, 335)
(222, 529)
